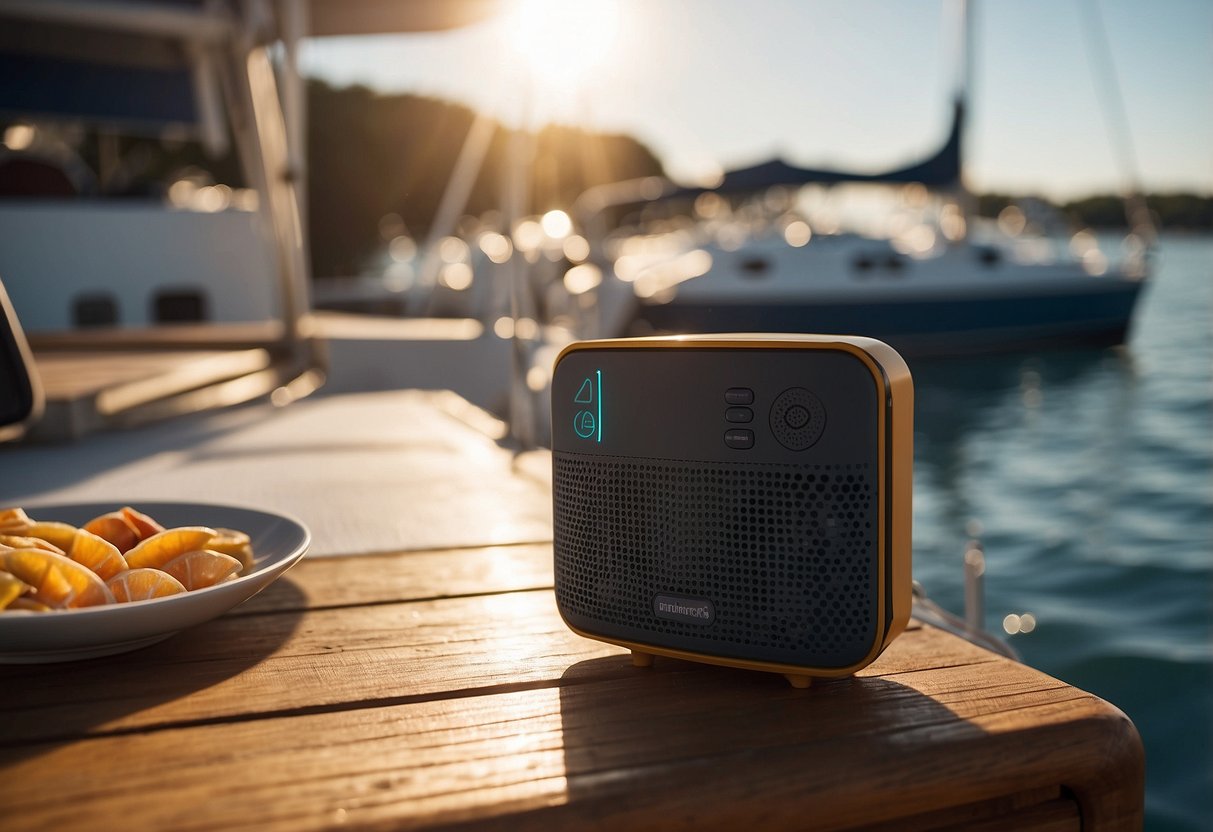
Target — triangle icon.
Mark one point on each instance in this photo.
(586, 394)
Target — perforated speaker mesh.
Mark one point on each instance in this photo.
(785, 553)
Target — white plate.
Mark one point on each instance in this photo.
(27, 638)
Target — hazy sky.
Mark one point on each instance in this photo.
(718, 84)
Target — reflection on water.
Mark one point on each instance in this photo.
(1090, 476)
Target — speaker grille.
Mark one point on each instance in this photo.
(785, 553)
(797, 419)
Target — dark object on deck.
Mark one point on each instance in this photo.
(180, 306)
(20, 390)
(736, 500)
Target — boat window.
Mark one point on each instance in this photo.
(988, 255)
(26, 176)
(94, 309)
(862, 263)
(180, 306)
(754, 267)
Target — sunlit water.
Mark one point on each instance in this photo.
(1091, 475)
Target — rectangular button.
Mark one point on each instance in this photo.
(739, 415)
(739, 395)
(739, 438)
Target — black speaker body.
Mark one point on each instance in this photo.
(741, 500)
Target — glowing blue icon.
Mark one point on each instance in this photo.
(586, 394)
(584, 424)
(588, 422)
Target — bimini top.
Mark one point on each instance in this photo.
(940, 170)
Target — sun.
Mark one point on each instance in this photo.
(562, 41)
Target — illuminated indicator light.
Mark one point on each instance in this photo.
(584, 394)
(587, 422)
(583, 423)
(599, 372)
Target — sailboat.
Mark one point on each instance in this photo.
(767, 252)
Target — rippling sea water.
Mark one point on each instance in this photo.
(1091, 476)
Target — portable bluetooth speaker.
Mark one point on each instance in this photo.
(741, 500)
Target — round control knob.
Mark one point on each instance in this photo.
(797, 419)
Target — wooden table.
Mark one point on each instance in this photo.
(440, 688)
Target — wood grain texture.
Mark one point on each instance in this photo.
(148, 375)
(408, 576)
(239, 666)
(442, 689)
(707, 746)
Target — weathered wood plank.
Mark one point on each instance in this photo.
(141, 376)
(1036, 809)
(675, 747)
(242, 666)
(440, 688)
(406, 576)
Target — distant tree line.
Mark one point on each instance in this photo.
(1173, 211)
(372, 154)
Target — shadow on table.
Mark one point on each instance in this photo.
(734, 747)
(186, 679)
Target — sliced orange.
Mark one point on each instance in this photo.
(14, 520)
(199, 569)
(234, 543)
(14, 541)
(57, 580)
(11, 588)
(115, 528)
(97, 553)
(160, 548)
(142, 584)
(144, 525)
(28, 604)
(58, 534)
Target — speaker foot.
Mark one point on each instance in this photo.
(798, 680)
(641, 659)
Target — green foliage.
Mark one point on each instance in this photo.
(1174, 212)
(1187, 211)
(371, 155)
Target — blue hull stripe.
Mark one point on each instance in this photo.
(1070, 318)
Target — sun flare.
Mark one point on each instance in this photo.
(562, 41)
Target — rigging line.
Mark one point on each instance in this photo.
(1107, 86)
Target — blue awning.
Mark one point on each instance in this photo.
(940, 170)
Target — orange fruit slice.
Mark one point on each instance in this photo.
(97, 553)
(11, 588)
(144, 525)
(234, 543)
(142, 584)
(18, 542)
(14, 520)
(28, 604)
(160, 548)
(57, 534)
(57, 580)
(115, 528)
(199, 569)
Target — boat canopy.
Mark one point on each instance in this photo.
(940, 170)
(140, 66)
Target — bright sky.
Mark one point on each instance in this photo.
(866, 84)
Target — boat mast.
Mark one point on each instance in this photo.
(960, 103)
